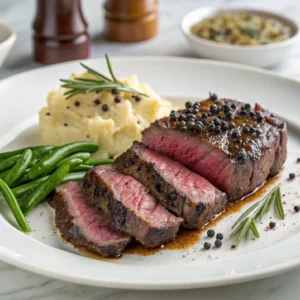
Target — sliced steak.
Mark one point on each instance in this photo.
(185, 193)
(83, 225)
(130, 207)
(232, 145)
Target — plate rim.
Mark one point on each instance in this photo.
(12, 258)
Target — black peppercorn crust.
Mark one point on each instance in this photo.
(250, 147)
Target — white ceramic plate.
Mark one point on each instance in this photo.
(42, 251)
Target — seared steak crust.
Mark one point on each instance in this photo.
(182, 191)
(98, 237)
(236, 160)
(130, 207)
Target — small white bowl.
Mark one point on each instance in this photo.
(7, 39)
(258, 56)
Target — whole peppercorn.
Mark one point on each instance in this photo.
(189, 110)
(213, 96)
(197, 105)
(217, 122)
(272, 115)
(235, 134)
(228, 115)
(97, 102)
(226, 108)
(258, 132)
(190, 125)
(231, 125)
(210, 233)
(219, 236)
(214, 109)
(77, 103)
(195, 111)
(246, 130)
(204, 115)
(247, 106)
(218, 130)
(296, 208)
(206, 246)
(138, 98)
(190, 117)
(198, 128)
(211, 127)
(105, 107)
(259, 118)
(252, 114)
(183, 128)
(182, 123)
(188, 104)
(251, 129)
(272, 225)
(292, 176)
(224, 126)
(48, 114)
(182, 117)
(114, 91)
(174, 116)
(233, 106)
(218, 243)
(117, 99)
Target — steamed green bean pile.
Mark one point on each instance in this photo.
(29, 175)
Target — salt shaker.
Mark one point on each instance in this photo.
(60, 31)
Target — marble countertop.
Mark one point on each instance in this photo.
(17, 284)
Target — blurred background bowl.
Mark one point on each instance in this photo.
(258, 56)
(7, 40)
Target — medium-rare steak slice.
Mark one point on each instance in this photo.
(185, 193)
(84, 225)
(130, 206)
(229, 143)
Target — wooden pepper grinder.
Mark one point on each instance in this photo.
(60, 31)
(130, 20)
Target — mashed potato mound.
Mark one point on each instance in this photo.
(82, 117)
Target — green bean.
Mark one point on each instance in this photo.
(40, 192)
(42, 151)
(99, 161)
(14, 206)
(81, 155)
(9, 162)
(47, 163)
(20, 167)
(4, 173)
(23, 179)
(82, 168)
(21, 190)
(36, 149)
(33, 162)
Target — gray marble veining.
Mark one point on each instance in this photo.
(16, 284)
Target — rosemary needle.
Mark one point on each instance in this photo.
(246, 221)
(99, 83)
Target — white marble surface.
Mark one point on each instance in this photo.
(17, 284)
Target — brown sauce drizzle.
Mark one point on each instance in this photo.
(188, 238)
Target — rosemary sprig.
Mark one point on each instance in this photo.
(100, 83)
(246, 221)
